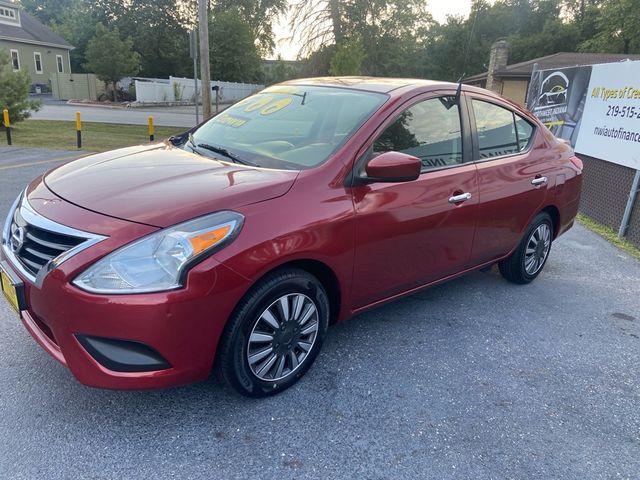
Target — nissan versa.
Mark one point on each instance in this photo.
(233, 246)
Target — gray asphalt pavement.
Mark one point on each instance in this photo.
(162, 116)
(473, 379)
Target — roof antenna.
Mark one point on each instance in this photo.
(459, 89)
(466, 57)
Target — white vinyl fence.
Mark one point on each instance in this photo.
(182, 90)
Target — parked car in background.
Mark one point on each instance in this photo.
(235, 245)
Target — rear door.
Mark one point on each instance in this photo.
(513, 173)
(411, 233)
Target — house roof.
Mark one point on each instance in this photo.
(30, 31)
(557, 60)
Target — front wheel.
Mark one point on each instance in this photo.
(527, 261)
(275, 333)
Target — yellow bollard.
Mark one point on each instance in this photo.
(7, 125)
(78, 130)
(151, 129)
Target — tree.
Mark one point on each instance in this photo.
(159, 29)
(77, 26)
(259, 15)
(233, 52)
(160, 33)
(555, 36)
(461, 46)
(318, 62)
(49, 11)
(348, 58)
(281, 72)
(618, 26)
(110, 57)
(14, 91)
(322, 22)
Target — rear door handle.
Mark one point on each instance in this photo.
(539, 181)
(463, 197)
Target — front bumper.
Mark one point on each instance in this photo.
(181, 327)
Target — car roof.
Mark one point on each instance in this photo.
(370, 84)
(396, 87)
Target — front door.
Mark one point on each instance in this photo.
(409, 234)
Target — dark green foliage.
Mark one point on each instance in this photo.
(617, 25)
(49, 11)
(111, 57)
(233, 54)
(282, 71)
(14, 92)
(259, 15)
(398, 37)
(348, 58)
(160, 29)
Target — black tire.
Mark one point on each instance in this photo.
(516, 268)
(236, 346)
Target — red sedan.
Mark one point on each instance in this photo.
(233, 246)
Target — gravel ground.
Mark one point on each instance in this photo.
(476, 378)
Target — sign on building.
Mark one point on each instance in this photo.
(596, 108)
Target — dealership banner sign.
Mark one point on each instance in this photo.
(596, 108)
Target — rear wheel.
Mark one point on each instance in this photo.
(275, 334)
(527, 261)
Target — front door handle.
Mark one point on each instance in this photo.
(463, 197)
(539, 181)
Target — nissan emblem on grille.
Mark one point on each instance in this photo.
(17, 238)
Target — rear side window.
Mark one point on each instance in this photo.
(524, 130)
(500, 131)
(429, 130)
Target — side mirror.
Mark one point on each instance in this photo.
(392, 167)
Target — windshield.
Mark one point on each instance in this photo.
(288, 127)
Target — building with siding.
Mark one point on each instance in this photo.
(512, 81)
(32, 47)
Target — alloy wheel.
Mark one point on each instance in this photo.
(537, 249)
(282, 337)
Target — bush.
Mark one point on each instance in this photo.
(14, 92)
(110, 57)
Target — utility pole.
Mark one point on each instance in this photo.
(193, 50)
(203, 29)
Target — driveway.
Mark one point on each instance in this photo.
(473, 379)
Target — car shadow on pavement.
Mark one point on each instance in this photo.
(425, 312)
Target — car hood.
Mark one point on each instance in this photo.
(163, 185)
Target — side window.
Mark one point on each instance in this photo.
(496, 130)
(429, 130)
(524, 130)
(37, 58)
(15, 59)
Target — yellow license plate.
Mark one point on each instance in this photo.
(9, 291)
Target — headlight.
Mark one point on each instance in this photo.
(156, 262)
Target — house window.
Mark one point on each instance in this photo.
(8, 15)
(60, 63)
(15, 59)
(37, 58)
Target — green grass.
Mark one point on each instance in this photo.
(609, 234)
(96, 137)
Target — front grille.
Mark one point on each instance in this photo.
(34, 246)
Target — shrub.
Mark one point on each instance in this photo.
(14, 92)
